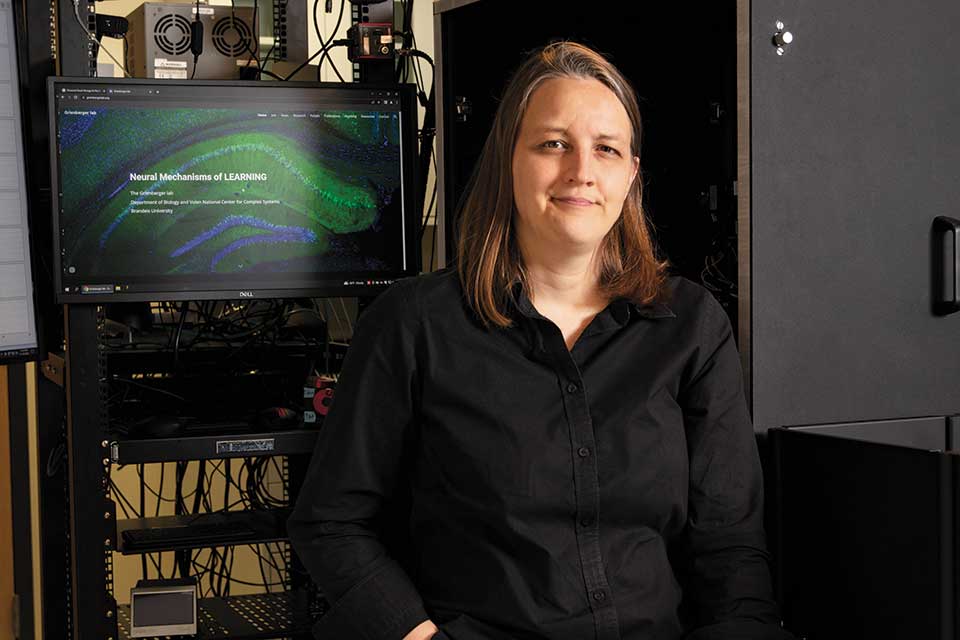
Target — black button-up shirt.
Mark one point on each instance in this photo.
(612, 491)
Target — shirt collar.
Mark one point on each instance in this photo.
(653, 310)
(620, 309)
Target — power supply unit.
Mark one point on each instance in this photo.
(160, 35)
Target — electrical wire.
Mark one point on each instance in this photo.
(402, 72)
(326, 44)
(346, 315)
(126, 56)
(196, 56)
(326, 56)
(246, 42)
(256, 36)
(218, 568)
(417, 53)
(156, 511)
(176, 343)
(143, 500)
(140, 385)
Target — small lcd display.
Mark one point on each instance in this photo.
(162, 609)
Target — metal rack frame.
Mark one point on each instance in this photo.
(93, 529)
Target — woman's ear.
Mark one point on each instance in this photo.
(636, 169)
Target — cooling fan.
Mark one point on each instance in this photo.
(159, 41)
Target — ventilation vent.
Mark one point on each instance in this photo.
(172, 34)
(231, 36)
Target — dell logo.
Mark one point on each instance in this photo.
(246, 294)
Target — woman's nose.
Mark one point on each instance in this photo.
(580, 167)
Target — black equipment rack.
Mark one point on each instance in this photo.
(94, 450)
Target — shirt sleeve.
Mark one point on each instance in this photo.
(353, 473)
(721, 557)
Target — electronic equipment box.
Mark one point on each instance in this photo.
(159, 41)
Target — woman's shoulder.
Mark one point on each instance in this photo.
(693, 303)
(411, 298)
(685, 297)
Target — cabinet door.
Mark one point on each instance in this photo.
(855, 149)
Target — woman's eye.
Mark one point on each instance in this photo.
(553, 144)
(608, 150)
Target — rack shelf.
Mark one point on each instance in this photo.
(213, 447)
(126, 359)
(254, 527)
(250, 617)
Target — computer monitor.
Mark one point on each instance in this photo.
(177, 190)
(18, 326)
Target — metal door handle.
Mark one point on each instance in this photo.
(946, 238)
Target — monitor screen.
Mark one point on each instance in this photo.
(173, 190)
(18, 329)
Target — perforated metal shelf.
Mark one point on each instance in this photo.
(252, 617)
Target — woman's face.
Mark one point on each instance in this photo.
(572, 166)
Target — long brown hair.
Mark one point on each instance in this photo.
(488, 261)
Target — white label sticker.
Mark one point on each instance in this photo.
(163, 63)
(170, 74)
(204, 11)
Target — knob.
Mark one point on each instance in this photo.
(782, 38)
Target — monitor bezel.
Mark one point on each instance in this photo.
(377, 282)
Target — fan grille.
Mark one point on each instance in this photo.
(171, 34)
(231, 36)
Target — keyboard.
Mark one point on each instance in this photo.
(186, 535)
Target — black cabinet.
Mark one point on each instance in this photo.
(854, 151)
(868, 532)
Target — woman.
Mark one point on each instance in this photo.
(568, 421)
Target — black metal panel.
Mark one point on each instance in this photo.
(214, 447)
(75, 50)
(263, 526)
(867, 538)
(249, 617)
(929, 434)
(855, 142)
(54, 505)
(35, 43)
(92, 513)
(20, 489)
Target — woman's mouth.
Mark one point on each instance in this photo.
(577, 202)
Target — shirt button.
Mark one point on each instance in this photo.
(572, 387)
(583, 452)
(599, 595)
(586, 522)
